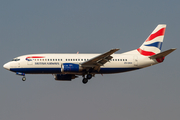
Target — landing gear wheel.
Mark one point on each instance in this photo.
(24, 79)
(89, 76)
(85, 80)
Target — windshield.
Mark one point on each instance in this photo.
(15, 59)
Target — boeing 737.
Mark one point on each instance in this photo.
(66, 67)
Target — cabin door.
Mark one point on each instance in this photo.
(135, 61)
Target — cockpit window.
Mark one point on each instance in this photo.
(16, 59)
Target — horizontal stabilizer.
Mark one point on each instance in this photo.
(162, 54)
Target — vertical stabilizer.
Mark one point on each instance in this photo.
(153, 43)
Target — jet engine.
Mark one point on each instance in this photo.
(70, 67)
(64, 77)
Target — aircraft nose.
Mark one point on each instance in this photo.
(7, 66)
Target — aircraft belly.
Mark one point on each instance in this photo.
(115, 70)
(37, 70)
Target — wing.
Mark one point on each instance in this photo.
(98, 61)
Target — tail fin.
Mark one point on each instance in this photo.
(153, 43)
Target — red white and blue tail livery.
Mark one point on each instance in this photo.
(153, 43)
(66, 67)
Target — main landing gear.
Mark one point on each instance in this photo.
(24, 78)
(85, 79)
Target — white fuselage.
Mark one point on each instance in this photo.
(52, 63)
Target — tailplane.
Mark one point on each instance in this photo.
(160, 56)
(153, 43)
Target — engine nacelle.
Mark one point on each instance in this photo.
(65, 77)
(70, 67)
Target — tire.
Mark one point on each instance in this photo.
(24, 79)
(85, 80)
(89, 76)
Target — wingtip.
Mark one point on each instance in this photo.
(115, 49)
(173, 49)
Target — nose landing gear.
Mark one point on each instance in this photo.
(21, 74)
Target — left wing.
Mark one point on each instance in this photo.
(100, 60)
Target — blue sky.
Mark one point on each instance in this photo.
(94, 26)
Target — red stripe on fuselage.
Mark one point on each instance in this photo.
(145, 53)
(36, 57)
(157, 34)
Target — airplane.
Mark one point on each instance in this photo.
(65, 67)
